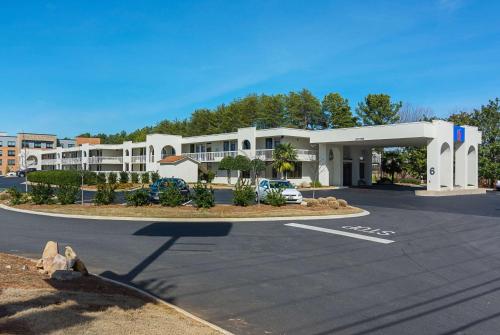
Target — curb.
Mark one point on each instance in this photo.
(128, 218)
(163, 302)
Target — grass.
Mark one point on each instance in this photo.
(32, 303)
(219, 211)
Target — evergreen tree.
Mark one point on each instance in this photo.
(304, 111)
(377, 109)
(338, 111)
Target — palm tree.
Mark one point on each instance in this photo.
(284, 157)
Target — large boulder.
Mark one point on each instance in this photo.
(65, 275)
(58, 262)
(74, 262)
(51, 250)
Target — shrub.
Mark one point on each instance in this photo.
(331, 198)
(384, 180)
(207, 176)
(112, 178)
(323, 201)
(56, 177)
(342, 203)
(105, 194)
(101, 178)
(4, 196)
(312, 202)
(15, 196)
(67, 194)
(243, 195)
(41, 194)
(275, 198)
(145, 178)
(155, 176)
(316, 184)
(413, 181)
(203, 196)
(123, 177)
(138, 197)
(171, 197)
(333, 204)
(134, 177)
(89, 178)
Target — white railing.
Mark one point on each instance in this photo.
(72, 160)
(49, 161)
(138, 159)
(302, 154)
(105, 160)
(212, 156)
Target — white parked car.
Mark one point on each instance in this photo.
(10, 174)
(287, 189)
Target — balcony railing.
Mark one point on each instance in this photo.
(302, 154)
(105, 160)
(138, 159)
(49, 161)
(72, 160)
(212, 156)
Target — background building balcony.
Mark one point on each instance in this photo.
(303, 155)
(52, 161)
(139, 159)
(105, 160)
(213, 156)
(72, 160)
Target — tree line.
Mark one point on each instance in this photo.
(305, 111)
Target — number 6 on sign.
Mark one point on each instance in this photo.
(432, 171)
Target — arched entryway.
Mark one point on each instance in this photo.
(151, 154)
(471, 166)
(445, 165)
(31, 161)
(246, 145)
(167, 150)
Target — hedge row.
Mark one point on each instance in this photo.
(56, 177)
(74, 178)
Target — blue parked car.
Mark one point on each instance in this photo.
(161, 184)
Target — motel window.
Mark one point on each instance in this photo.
(1, 153)
(361, 170)
(191, 148)
(11, 153)
(1, 143)
(269, 143)
(11, 162)
(38, 145)
(1, 162)
(297, 172)
(225, 146)
(245, 174)
(49, 145)
(11, 144)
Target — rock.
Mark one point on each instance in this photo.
(59, 262)
(323, 201)
(65, 275)
(312, 202)
(342, 202)
(39, 264)
(303, 203)
(71, 256)
(333, 204)
(24, 268)
(8, 267)
(80, 267)
(51, 250)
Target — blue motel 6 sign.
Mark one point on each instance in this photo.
(458, 134)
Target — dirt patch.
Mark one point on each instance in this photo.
(32, 303)
(219, 211)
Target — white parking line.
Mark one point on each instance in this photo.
(338, 232)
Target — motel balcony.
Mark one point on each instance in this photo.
(49, 161)
(71, 161)
(105, 160)
(303, 155)
(262, 154)
(139, 159)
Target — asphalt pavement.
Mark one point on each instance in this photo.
(440, 273)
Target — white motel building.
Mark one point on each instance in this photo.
(337, 157)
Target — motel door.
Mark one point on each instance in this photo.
(347, 175)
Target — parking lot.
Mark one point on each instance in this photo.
(421, 265)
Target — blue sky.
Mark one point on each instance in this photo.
(68, 67)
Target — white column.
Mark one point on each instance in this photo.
(323, 166)
(440, 157)
(355, 154)
(461, 165)
(338, 165)
(368, 166)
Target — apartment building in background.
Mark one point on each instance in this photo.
(338, 157)
(8, 153)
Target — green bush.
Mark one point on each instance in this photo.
(145, 178)
(410, 181)
(171, 197)
(134, 177)
(89, 178)
(137, 198)
(112, 178)
(275, 198)
(316, 184)
(123, 177)
(67, 194)
(384, 181)
(15, 196)
(56, 177)
(105, 194)
(243, 195)
(203, 196)
(101, 178)
(41, 194)
(207, 176)
(155, 176)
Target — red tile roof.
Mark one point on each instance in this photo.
(174, 159)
